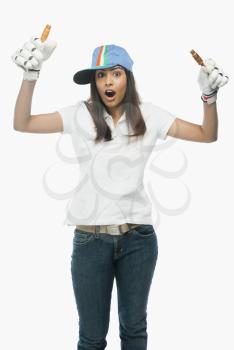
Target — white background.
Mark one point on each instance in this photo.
(191, 298)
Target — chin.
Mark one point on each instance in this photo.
(111, 103)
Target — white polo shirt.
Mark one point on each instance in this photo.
(110, 189)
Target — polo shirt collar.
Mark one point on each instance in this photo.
(107, 115)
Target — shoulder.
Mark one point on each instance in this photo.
(156, 112)
(152, 109)
(145, 107)
(70, 109)
(74, 115)
(158, 119)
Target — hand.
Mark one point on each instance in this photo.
(210, 79)
(32, 55)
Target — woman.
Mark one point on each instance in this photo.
(113, 134)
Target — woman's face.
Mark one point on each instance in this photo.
(113, 79)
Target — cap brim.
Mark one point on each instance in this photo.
(83, 76)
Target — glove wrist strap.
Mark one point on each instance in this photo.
(209, 98)
(31, 75)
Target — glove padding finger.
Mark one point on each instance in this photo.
(35, 57)
(216, 84)
(27, 64)
(19, 61)
(24, 53)
(224, 81)
(31, 53)
(209, 65)
(29, 46)
(217, 78)
(32, 64)
(213, 78)
(224, 77)
(25, 60)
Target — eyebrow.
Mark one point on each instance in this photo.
(118, 67)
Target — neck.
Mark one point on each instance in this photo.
(115, 112)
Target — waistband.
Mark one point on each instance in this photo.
(109, 229)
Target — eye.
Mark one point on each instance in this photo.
(118, 73)
(100, 74)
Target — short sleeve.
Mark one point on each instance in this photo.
(163, 120)
(68, 115)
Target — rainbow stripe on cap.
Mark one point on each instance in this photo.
(102, 59)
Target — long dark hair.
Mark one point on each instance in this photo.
(130, 104)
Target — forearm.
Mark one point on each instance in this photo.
(210, 121)
(23, 104)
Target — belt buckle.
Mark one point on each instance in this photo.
(113, 230)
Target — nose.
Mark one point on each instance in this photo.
(108, 78)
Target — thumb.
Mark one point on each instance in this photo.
(49, 47)
(50, 44)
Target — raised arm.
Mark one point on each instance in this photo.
(30, 58)
(210, 79)
(207, 132)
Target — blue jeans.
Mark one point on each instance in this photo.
(96, 259)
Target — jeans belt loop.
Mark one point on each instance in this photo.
(97, 228)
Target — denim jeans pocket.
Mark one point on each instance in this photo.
(144, 231)
(82, 237)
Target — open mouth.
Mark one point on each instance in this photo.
(110, 93)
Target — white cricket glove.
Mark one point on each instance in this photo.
(210, 79)
(32, 55)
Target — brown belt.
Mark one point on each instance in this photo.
(109, 229)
